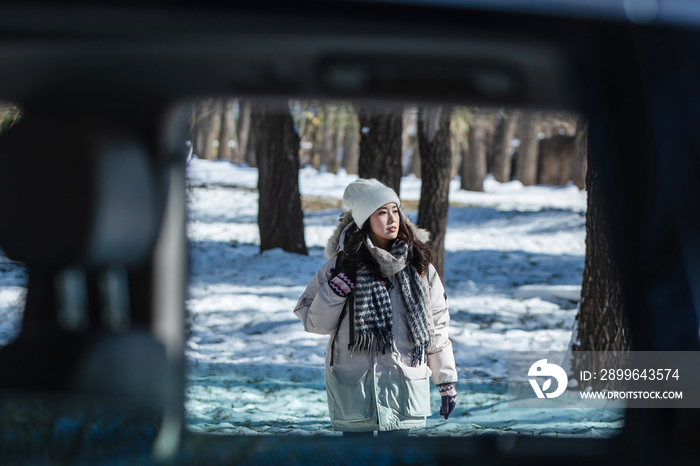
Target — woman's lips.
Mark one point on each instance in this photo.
(392, 229)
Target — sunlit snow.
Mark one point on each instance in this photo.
(513, 271)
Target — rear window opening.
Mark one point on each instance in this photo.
(514, 255)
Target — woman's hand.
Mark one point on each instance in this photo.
(341, 282)
(449, 399)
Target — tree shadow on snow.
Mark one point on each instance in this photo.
(509, 269)
(476, 216)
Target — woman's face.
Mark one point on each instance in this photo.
(384, 224)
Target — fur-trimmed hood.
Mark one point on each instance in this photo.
(335, 243)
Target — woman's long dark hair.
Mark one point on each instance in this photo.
(419, 254)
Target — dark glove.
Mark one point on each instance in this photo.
(341, 283)
(449, 399)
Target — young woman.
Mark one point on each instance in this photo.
(384, 306)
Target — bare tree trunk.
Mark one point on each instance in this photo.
(327, 139)
(436, 160)
(601, 321)
(489, 136)
(555, 159)
(496, 142)
(338, 145)
(351, 155)
(405, 136)
(409, 141)
(280, 217)
(457, 153)
(251, 157)
(201, 114)
(474, 159)
(243, 131)
(501, 151)
(227, 135)
(199, 138)
(303, 137)
(526, 169)
(316, 137)
(213, 129)
(580, 159)
(380, 147)
(323, 138)
(415, 162)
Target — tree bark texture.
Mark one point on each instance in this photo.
(580, 158)
(457, 153)
(316, 138)
(474, 158)
(501, 161)
(251, 157)
(339, 141)
(555, 160)
(303, 137)
(213, 130)
(415, 162)
(351, 145)
(489, 138)
(243, 130)
(246, 136)
(409, 143)
(227, 133)
(280, 217)
(202, 115)
(380, 147)
(329, 153)
(436, 165)
(526, 168)
(601, 321)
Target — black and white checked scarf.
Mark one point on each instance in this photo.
(373, 312)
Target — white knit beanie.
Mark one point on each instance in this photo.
(363, 197)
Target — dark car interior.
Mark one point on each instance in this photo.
(92, 194)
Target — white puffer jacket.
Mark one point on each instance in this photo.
(368, 391)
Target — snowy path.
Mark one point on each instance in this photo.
(253, 370)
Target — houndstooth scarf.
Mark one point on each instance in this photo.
(373, 311)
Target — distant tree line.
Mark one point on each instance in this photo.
(433, 143)
(532, 147)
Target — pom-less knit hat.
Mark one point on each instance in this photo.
(363, 197)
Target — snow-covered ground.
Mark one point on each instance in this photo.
(514, 260)
(513, 264)
(13, 286)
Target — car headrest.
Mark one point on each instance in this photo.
(75, 191)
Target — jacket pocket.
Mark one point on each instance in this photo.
(415, 390)
(348, 394)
